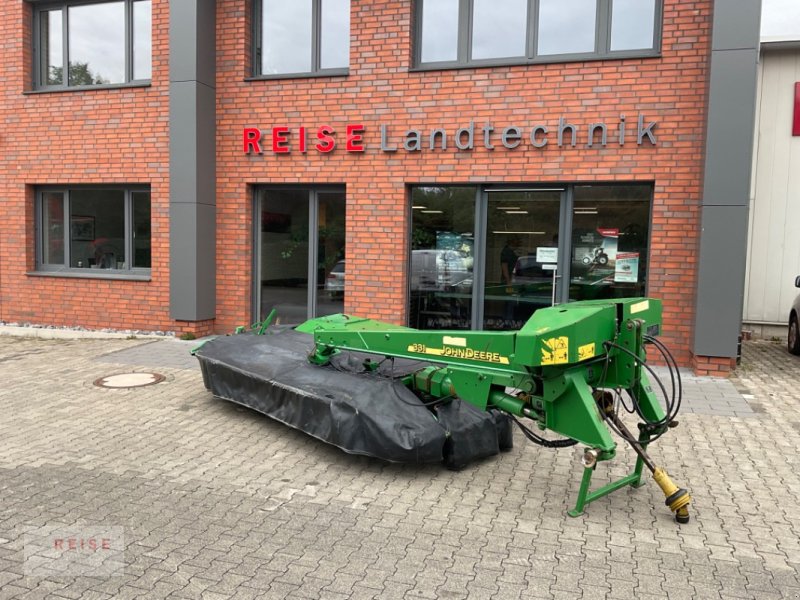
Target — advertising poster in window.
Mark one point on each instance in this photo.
(602, 251)
(626, 268)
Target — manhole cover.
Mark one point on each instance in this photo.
(129, 380)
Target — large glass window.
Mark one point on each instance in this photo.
(497, 29)
(489, 257)
(442, 257)
(142, 40)
(609, 242)
(632, 24)
(459, 33)
(93, 228)
(439, 31)
(302, 37)
(98, 43)
(567, 26)
(300, 260)
(519, 280)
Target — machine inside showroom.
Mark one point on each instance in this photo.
(408, 395)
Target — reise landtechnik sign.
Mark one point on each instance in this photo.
(358, 137)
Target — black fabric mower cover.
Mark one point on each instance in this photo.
(360, 412)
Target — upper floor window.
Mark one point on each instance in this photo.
(457, 33)
(302, 37)
(102, 43)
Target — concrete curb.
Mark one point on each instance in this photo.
(76, 334)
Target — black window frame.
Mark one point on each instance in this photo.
(39, 67)
(129, 272)
(464, 48)
(316, 38)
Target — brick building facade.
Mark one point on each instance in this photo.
(131, 135)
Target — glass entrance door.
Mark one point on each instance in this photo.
(300, 253)
(330, 265)
(522, 230)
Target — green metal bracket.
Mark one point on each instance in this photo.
(259, 327)
(633, 479)
(586, 497)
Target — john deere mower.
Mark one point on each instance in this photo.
(408, 395)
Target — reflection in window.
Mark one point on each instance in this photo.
(466, 32)
(499, 28)
(302, 36)
(521, 225)
(335, 35)
(94, 228)
(604, 255)
(298, 224)
(442, 257)
(52, 46)
(610, 240)
(284, 248)
(439, 31)
(99, 48)
(141, 230)
(632, 23)
(567, 26)
(97, 228)
(331, 269)
(96, 43)
(53, 228)
(287, 37)
(142, 43)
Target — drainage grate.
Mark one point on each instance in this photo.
(129, 380)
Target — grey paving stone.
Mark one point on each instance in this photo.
(221, 502)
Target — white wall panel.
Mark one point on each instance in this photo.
(774, 234)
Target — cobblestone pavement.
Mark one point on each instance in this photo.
(219, 502)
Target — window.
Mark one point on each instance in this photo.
(609, 241)
(489, 257)
(442, 257)
(302, 37)
(103, 43)
(463, 33)
(84, 228)
(300, 264)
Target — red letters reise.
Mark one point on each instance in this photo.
(284, 139)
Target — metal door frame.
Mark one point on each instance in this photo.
(313, 241)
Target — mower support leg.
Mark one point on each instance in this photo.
(585, 496)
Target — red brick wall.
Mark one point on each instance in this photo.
(713, 366)
(99, 136)
(380, 89)
(121, 136)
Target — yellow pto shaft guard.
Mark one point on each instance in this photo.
(678, 499)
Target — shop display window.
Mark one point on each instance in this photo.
(93, 230)
(83, 44)
(442, 257)
(609, 241)
(488, 257)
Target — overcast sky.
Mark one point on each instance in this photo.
(780, 18)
